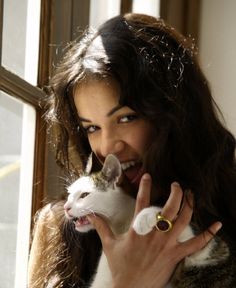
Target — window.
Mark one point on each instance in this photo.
(104, 9)
(17, 128)
(20, 38)
(19, 98)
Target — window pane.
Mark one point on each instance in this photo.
(17, 124)
(21, 38)
(150, 7)
(102, 10)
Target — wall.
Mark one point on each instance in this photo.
(217, 45)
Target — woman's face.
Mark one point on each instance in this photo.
(112, 128)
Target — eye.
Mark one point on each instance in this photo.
(128, 118)
(84, 194)
(91, 129)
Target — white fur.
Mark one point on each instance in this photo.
(83, 184)
(146, 221)
(108, 204)
(102, 278)
(118, 208)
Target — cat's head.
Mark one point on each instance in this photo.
(100, 193)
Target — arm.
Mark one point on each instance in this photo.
(149, 261)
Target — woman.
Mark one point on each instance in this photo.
(134, 89)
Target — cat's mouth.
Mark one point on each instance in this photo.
(80, 222)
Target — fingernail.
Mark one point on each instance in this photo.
(176, 184)
(218, 226)
(146, 176)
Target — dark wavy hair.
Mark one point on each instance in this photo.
(159, 77)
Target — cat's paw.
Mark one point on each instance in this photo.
(146, 220)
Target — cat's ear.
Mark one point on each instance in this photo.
(89, 164)
(111, 169)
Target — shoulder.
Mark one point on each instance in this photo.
(49, 218)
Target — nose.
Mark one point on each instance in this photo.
(67, 207)
(111, 143)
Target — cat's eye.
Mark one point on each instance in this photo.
(84, 194)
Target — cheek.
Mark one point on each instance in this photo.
(143, 143)
(94, 142)
(140, 139)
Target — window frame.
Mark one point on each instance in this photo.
(56, 16)
(183, 15)
(17, 87)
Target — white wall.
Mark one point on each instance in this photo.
(218, 54)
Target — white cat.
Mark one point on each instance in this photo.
(101, 194)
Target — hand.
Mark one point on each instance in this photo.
(149, 261)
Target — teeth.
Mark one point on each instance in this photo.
(126, 165)
(80, 220)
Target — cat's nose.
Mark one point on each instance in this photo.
(67, 207)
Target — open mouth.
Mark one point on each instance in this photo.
(81, 221)
(133, 171)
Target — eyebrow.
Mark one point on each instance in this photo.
(110, 113)
(113, 110)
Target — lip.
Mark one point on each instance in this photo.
(134, 174)
(82, 224)
(81, 221)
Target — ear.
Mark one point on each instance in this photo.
(111, 169)
(89, 164)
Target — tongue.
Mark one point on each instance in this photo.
(82, 221)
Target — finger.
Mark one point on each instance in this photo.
(143, 196)
(102, 228)
(185, 215)
(173, 204)
(200, 241)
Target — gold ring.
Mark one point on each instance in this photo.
(163, 224)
